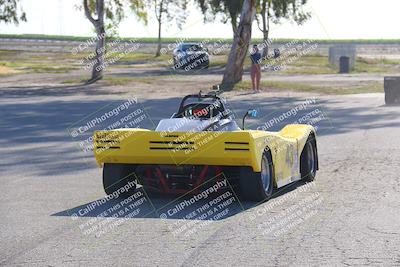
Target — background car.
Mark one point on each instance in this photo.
(190, 56)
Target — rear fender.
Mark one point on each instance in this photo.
(300, 132)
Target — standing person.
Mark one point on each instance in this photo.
(255, 72)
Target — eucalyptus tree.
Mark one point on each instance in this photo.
(11, 12)
(107, 14)
(269, 10)
(167, 11)
(277, 10)
(228, 10)
(234, 67)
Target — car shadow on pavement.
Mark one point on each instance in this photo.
(142, 204)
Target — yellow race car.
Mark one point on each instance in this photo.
(202, 143)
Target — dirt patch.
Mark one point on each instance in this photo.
(7, 71)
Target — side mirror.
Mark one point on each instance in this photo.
(252, 113)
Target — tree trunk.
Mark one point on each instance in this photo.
(234, 68)
(159, 19)
(98, 66)
(265, 30)
(266, 42)
(234, 25)
(158, 52)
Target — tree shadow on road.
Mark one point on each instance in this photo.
(56, 91)
(45, 122)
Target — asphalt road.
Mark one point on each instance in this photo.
(348, 217)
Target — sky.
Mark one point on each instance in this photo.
(331, 19)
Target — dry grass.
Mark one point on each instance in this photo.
(372, 87)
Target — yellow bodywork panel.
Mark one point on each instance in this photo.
(238, 148)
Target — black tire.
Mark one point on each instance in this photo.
(116, 177)
(258, 186)
(309, 160)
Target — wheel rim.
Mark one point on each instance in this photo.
(265, 174)
(310, 157)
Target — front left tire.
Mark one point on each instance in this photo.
(118, 176)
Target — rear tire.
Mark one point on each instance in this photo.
(118, 178)
(308, 160)
(258, 186)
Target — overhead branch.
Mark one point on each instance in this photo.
(88, 14)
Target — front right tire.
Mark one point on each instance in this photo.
(308, 160)
(258, 186)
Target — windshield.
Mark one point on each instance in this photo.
(191, 47)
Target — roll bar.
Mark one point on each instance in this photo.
(211, 95)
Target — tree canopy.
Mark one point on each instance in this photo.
(165, 12)
(229, 10)
(11, 12)
(284, 9)
(114, 11)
